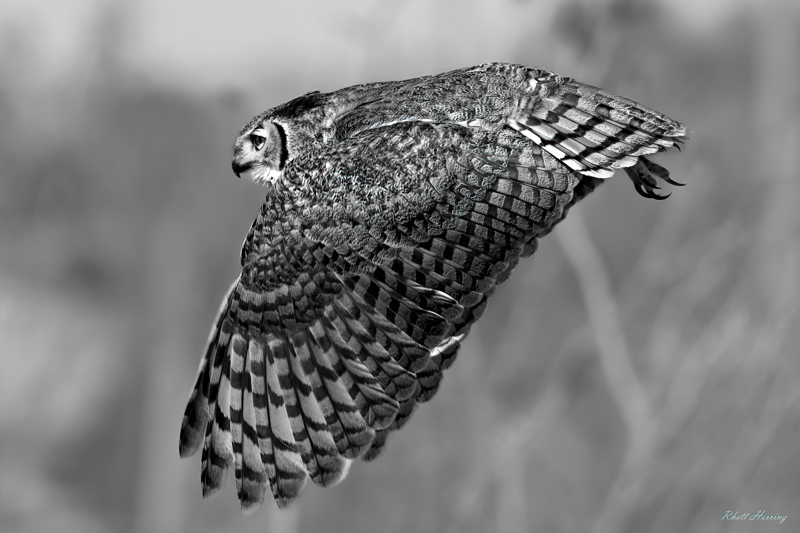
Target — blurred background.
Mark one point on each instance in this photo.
(639, 374)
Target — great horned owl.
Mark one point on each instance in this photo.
(392, 212)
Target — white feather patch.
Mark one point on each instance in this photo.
(544, 131)
(572, 145)
(445, 344)
(532, 136)
(598, 173)
(554, 151)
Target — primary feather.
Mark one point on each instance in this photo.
(392, 212)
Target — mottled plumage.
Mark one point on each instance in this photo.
(392, 212)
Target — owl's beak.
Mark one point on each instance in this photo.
(238, 168)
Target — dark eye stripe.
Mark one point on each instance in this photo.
(284, 146)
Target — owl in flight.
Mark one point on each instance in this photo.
(392, 212)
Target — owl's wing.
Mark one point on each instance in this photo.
(354, 299)
(595, 132)
(306, 361)
(589, 130)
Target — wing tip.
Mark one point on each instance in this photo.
(252, 495)
(190, 441)
(213, 480)
(289, 489)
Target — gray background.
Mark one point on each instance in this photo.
(638, 374)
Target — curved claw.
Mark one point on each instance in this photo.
(643, 175)
(649, 191)
(672, 181)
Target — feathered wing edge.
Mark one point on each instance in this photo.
(595, 132)
(281, 406)
(196, 415)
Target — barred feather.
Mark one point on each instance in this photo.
(342, 403)
(397, 381)
(251, 476)
(326, 436)
(195, 418)
(290, 473)
(589, 130)
(218, 440)
(238, 354)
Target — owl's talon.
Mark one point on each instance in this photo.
(643, 175)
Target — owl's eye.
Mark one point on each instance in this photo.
(258, 141)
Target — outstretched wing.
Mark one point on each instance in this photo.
(360, 279)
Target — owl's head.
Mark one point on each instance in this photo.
(261, 151)
(275, 137)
